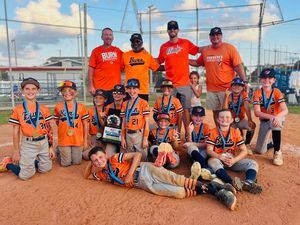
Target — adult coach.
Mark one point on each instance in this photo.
(105, 65)
(221, 61)
(175, 54)
(136, 64)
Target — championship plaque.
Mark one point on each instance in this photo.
(112, 131)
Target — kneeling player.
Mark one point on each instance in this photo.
(157, 180)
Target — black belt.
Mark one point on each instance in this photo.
(265, 120)
(133, 131)
(35, 139)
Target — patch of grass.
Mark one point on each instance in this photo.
(4, 116)
(294, 109)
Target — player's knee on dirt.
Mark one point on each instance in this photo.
(27, 173)
(45, 167)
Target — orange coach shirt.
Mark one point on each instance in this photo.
(60, 115)
(176, 58)
(245, 98)
(136, 65)
(18, 118)
(118, 165)
(205, 132)
(274, 108)
(137, 119)
(175, 109)
(219, 64)
(107, 65)
(169, 136)
(93, 127)
(232, 143)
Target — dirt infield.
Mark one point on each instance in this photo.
(63, 197)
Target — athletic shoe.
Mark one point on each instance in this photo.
(218, 180)
(218, 187)
(227, 197)
(278, 158)
(237, 184)
(6, 160)
(206, 174)
(252, 187)
(170, 158)
(161, 159)
(195, 171)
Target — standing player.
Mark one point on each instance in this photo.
(169, 104)
(270, 108)
(175, 55)
(96, 122)
(237, 101)
(222, 147)
(221, 61)
(126, 169)
(115, 109)
(72, 120)
(31, 148)
(135, 125)
(137, 62)
(105, 66)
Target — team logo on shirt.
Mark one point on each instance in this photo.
(63, 115)
(215, 58)
(109, 56)
(174, 50)
(26, 117)
(229, 144)
(135, 62)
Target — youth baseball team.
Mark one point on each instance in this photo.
(121, 143)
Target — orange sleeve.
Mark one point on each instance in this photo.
(238, 137)
(56, 112)
(47, 115)
(236, 59)
(212, 137)
(206, 131)
(84, 113)
(153, 63)
(161, 57)
(122, 113)
(193, 49)
(278, 95)
(200, 61)
(178, 106)
(245, 97)
(256, 96)
(146, 109)
(93, 59)
(156, 106)
(14, 118)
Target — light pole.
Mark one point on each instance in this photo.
(9, 61)
(150, 9)
(13, 42)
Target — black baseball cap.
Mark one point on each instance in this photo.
(215, 30)
(198, 111)
(30, 80)
(100, 92)
(136, 36)
(67, 83)
(166, 83)
(119, 88)
(267, 72)
(133, 82)
(173, 25)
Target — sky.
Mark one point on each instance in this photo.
(36, 43)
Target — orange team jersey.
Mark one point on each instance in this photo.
(93, 127)
(277, 98)
(163, 136)
(176, 58)
(136, 65)
(119, 166)
(107, 65)
(175, 109)
(232, 105)
(60, 115)
(137, 119)
(19, 118)
(235, 139)
(205, 133)
(219, 64)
